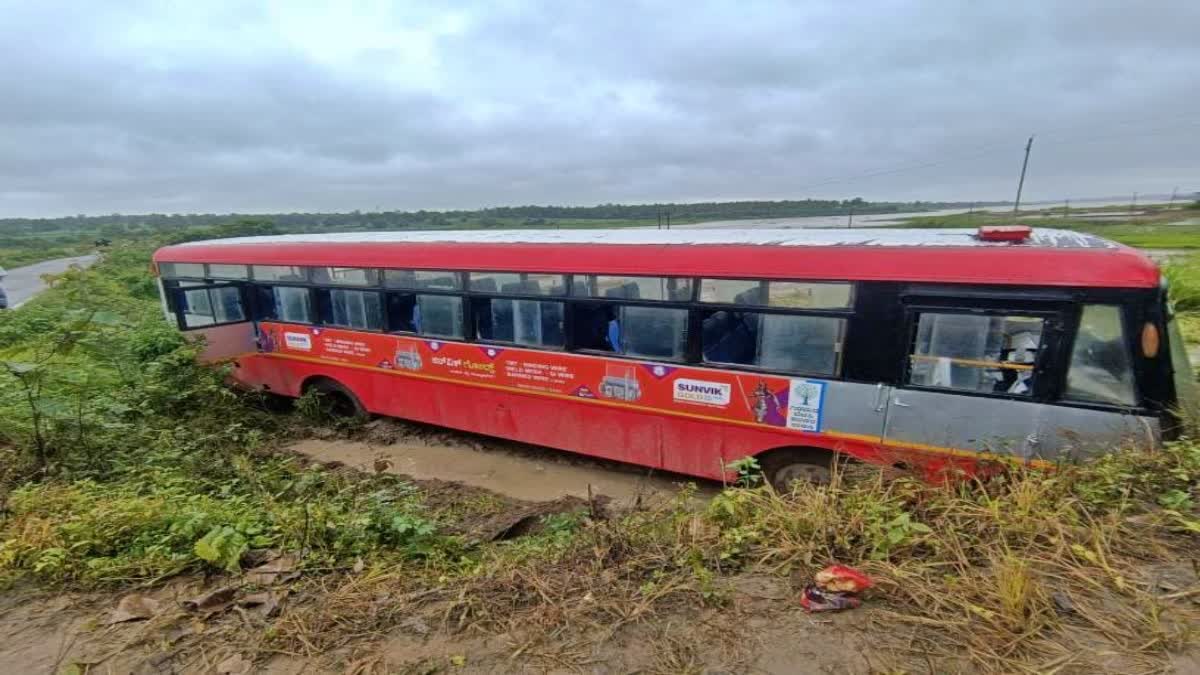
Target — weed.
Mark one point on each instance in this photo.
(748, 470)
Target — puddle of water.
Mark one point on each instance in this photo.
(519, 477)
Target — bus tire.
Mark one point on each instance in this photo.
(342, 401)
(785, 466)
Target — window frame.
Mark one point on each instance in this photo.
(314, 310)
(1129, 326)
(849, 309)
(464, 303)
(844, 316)
(1044, 378)
(321, 298)
(175, 293)
(692, 291)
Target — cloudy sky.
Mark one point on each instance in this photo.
(220, 106)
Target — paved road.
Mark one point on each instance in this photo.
(22, 283)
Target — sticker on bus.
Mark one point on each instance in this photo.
(300, 341)
(805, 398)
(702, 391)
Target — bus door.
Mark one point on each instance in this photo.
(216, 311)
(973, 377)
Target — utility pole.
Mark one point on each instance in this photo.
(1021, 183)
(1174, 192)
(850, 219)
(668, 219)
(1067, 209)
(659, 207)
(1133, 204)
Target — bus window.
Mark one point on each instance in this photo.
(798, 294)
(784, 342)
(228, 272)
(345, 276)
(653, 332)
(284, 303)
(976, 352)
(1100, 369)
(280, 273)
(227, 304)
(351, 309)
(422, 279)
(595, 327)
(527, 322)
(207, 306)
(429, 315)
(518, 283)
(181, 270)
(632, 288)
(197, 308)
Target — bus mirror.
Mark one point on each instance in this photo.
(1150, 340)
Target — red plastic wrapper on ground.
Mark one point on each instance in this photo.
(817, 600)
(842, 579)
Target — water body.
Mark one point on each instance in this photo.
(865, 220)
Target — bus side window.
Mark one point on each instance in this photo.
(351, 309)
(1100, 369)
(537, 323)
(975, 352)
(653, 332)
(596, 327)
(784, 342)
(429, 315)
(636, 330)
(209, 306)
(196, 308)
(290, 304)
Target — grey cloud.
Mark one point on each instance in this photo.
(247, 107)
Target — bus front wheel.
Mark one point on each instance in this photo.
(782, 468)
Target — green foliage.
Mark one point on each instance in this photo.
(1183, 278)
(127, 460)
(749, 472)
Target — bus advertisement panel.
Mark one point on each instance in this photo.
(770, 400)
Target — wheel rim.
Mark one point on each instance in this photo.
(803, 472)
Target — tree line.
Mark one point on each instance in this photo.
(115, 225)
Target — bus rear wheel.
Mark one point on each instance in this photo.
(335, 398)
(782, 468)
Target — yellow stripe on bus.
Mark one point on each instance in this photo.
(976, 455)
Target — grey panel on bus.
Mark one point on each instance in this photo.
(951, 420)
(1004, 426)
(854, 408)
(1077, 433)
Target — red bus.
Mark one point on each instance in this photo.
(688, 350)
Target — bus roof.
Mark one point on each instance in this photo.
(1046, 257)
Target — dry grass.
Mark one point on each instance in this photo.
(1081, 570)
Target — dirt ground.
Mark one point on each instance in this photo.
(170, 629)
(762, 630)
(367, 621)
